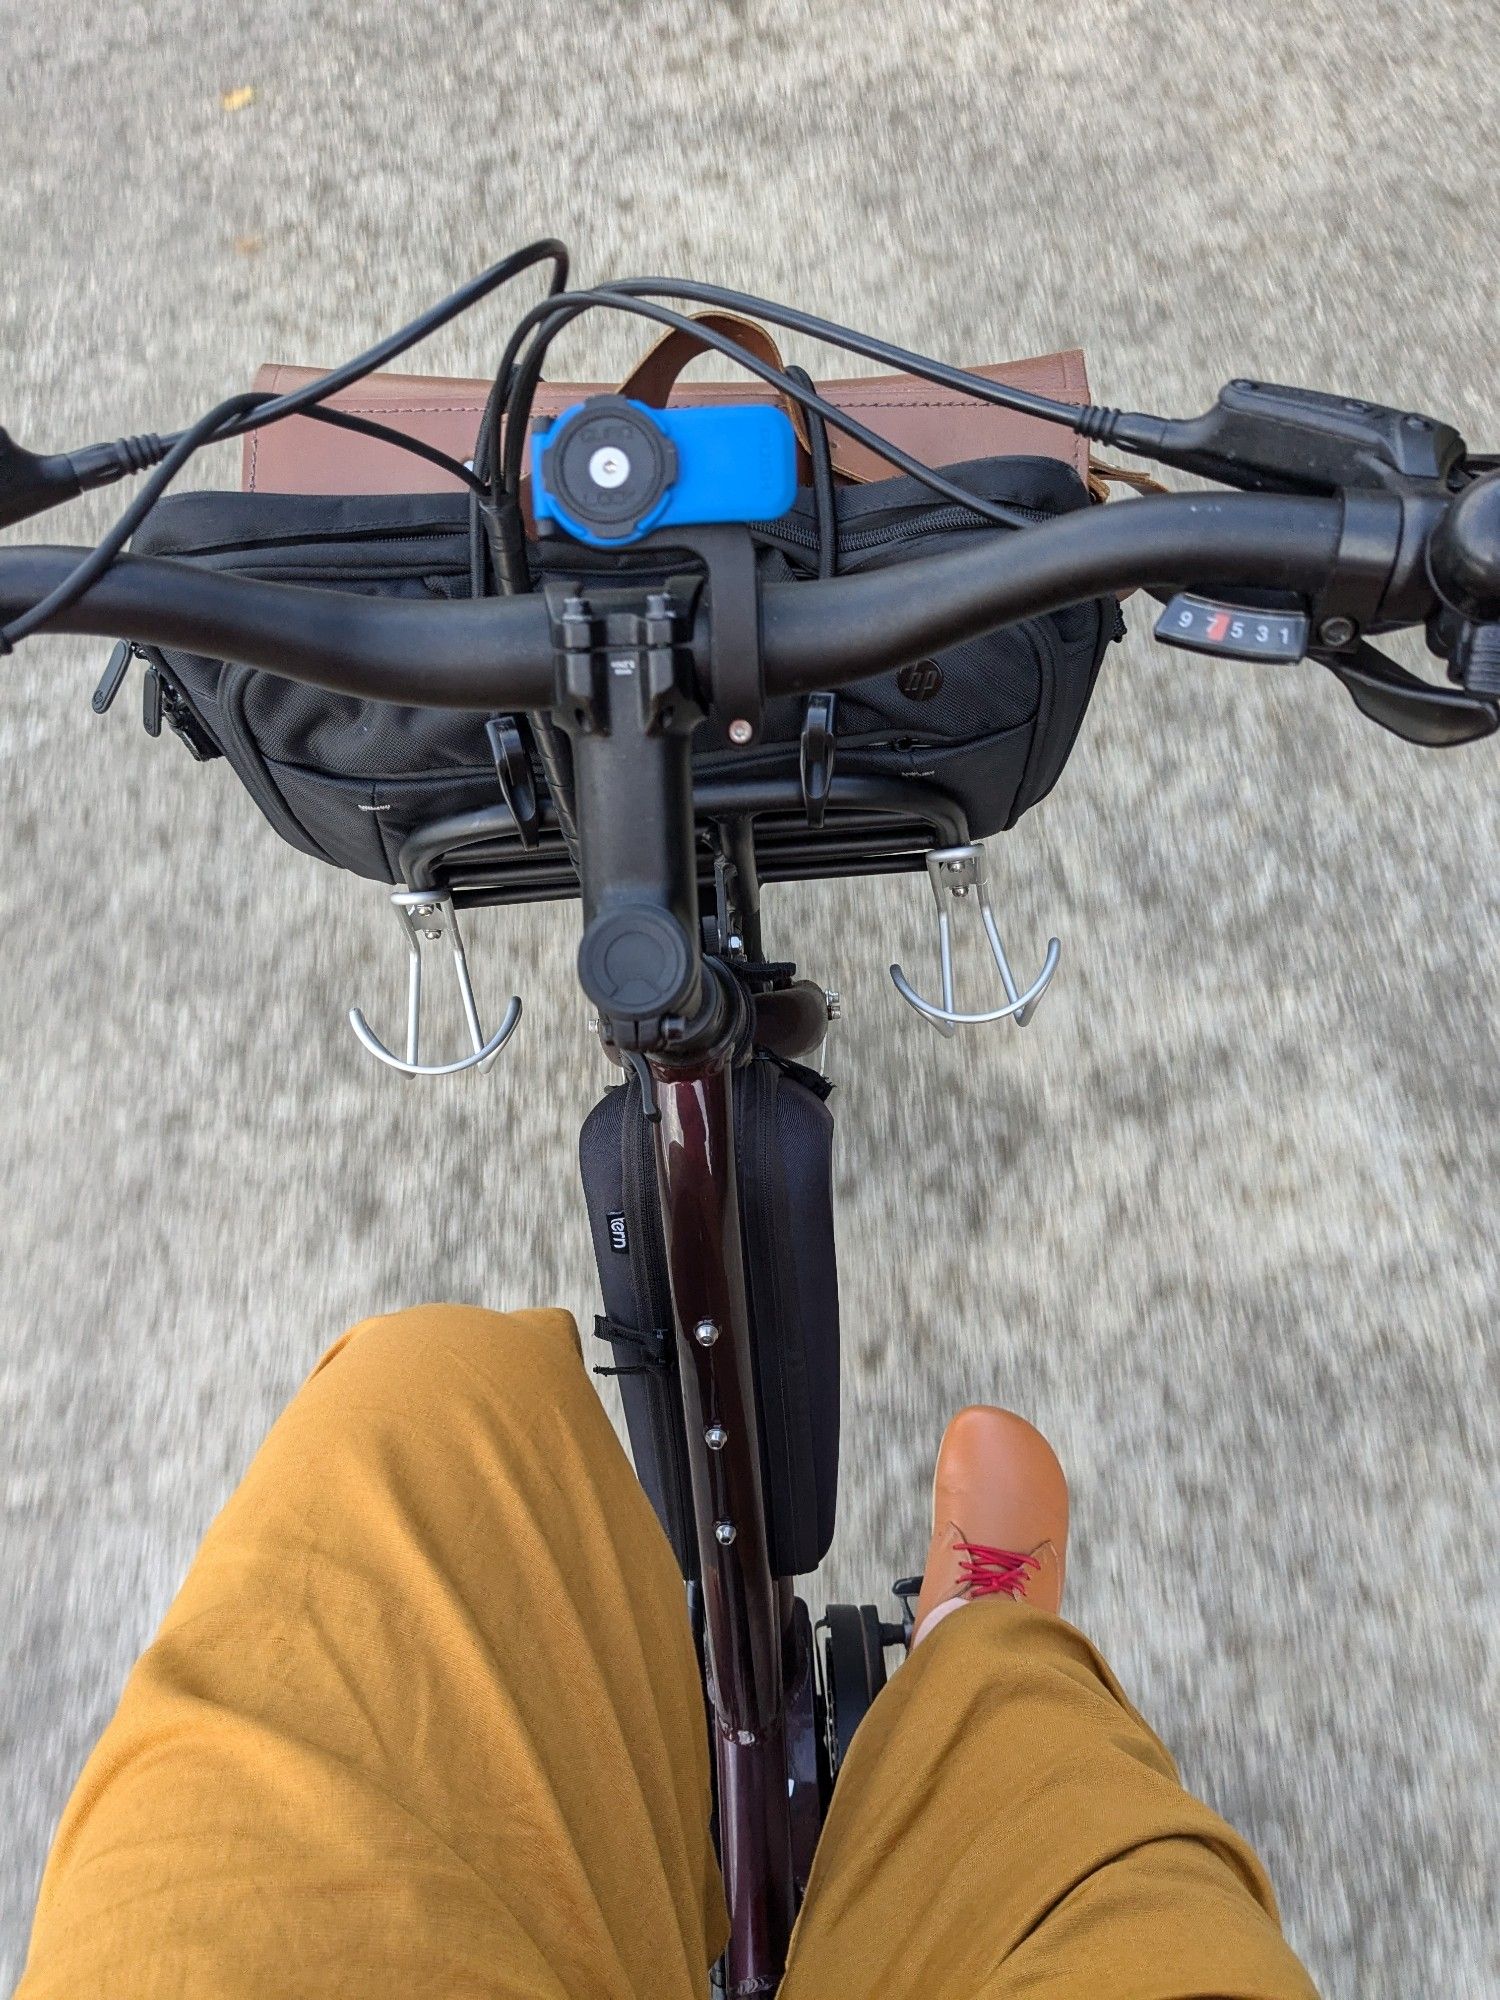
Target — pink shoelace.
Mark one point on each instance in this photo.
(988, 1572)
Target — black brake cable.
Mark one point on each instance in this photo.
(825, 497)
(557, 311)
(99, 559)
(346, 420)
(1085, 418)
(253, 410)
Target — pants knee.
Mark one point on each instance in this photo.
(444, 1351)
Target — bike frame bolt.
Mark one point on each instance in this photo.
(432, 936)
(706, 1332)
(723, 1533)
(716, 1437)
(740, 731)
(1336, 631)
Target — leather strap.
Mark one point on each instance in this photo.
(654, 376)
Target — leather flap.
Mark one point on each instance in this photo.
(938, 426)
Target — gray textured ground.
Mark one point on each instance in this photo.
(1223, 1223)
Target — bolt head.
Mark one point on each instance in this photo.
(432, 936)
(716, 1437)
(734, 942)
(706, 1332)
(1336, 631)
(741, 731)
(834, 1002)
(724, 1532)
(609, 467)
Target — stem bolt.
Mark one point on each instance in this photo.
(723, 1533)
(716, 1437)
(706, 1332)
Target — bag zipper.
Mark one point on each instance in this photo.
(644, 1221)
(940, 521)
(343, 538)
(162, 700)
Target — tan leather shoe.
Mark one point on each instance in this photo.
(999, 1517)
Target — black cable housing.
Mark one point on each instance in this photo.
(554, 313)
(253, 410)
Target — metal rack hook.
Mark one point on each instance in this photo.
(958, 874)
(428, 916)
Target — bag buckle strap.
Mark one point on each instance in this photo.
(653, 1344)
(427, 916)
(958, 876)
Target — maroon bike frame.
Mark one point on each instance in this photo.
(756, 1649)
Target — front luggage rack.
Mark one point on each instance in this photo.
(871, 826)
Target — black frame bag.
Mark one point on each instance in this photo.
(784, 1167)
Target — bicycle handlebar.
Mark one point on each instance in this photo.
(498, 652)
(1392, 558)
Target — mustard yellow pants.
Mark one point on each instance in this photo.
(425, 1721)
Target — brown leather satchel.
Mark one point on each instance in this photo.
(936, 425)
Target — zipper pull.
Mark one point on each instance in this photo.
(151, 702)
(114, 676)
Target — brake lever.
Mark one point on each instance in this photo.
(1438, 718)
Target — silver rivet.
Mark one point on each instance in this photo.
(723, 1533)
(740, 731)
(706, 1332)
(716, 1437)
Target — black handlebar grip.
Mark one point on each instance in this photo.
(1463, 557)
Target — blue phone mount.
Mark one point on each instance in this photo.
(611, 471)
